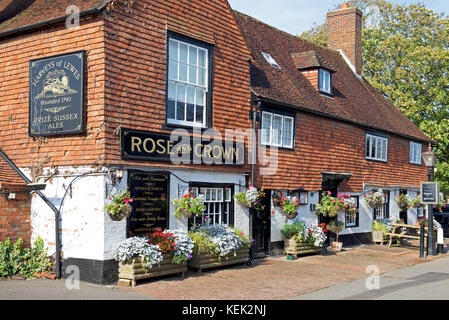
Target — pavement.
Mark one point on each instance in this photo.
(428, 281)
(402, 275)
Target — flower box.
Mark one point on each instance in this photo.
(379, 237)
(293, 247)
(129, 273)
(208, 261)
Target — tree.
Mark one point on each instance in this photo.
(406, 58)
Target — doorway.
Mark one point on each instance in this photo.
(403, 213)
(330, 185)
(261, 227)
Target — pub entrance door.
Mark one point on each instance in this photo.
(403, 213)
(261, 227)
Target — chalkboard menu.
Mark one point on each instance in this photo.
(149, 190)
(430, 192)
(56, 95)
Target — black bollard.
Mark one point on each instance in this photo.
(421, 241)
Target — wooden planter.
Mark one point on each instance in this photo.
(129, 273)
(201, 262)
(294, 248)
(379, 237)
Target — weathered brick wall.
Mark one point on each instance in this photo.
(326, 145)
(15, 218)
(15, 54)
(136, 41)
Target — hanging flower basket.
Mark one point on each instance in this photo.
(403, 202)
(374, 199)
(289, 206)
(252, 198)
(120, 207)
(189, 205)
(329, 206)
(416, 203)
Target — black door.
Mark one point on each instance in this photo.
(403, 213)
(261, 227)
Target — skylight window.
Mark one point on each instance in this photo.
(270, 60)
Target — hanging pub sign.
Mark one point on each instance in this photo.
(430, 192)
(150, 192)
(144, 145)
(56, 95)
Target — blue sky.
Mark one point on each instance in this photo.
(296, 16)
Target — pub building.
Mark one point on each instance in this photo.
(102, 95)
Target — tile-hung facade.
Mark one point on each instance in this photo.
(143, 72)
(333, 130)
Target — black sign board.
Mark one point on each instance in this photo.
(56, 95)
(150, 192)
(144, 145)
(430, 192)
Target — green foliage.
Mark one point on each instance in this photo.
(14, 258)
(290, 230)
(202, 244)
(329, 206)
(379, 226)
(189, 203)
(406, 58)
(246, 241)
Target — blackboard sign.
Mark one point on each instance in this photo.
(149, 190)
(56, 95)
(430, 192)
(144, 145)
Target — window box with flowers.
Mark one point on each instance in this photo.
(251, 198)
(302, 239)
(156, 254)
(218, 246)
(189, 205)
(120, 206)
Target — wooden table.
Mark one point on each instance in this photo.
(405, 231)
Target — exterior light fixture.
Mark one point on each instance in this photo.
(429, 157)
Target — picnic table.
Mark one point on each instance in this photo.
(405, 231)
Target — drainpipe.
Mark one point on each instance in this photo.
(254, 144)
(50, 204)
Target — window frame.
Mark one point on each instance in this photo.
(198, 185)
(376, 136)
(322, 71)
(208, 108)
(283, 116)
(357, 220)
(413, 143)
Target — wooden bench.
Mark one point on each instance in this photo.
(405, 229)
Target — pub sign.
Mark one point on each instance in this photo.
(56, 95)
(430, 192)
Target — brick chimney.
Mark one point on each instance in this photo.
(344, 28)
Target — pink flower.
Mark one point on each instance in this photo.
(339, 195)
(329, 193)
(333, 200)
(341, 200)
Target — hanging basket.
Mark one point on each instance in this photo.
(290, 215)
(186, 213)
(124, 213)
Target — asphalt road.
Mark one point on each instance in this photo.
(427, 281)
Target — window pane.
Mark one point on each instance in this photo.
(190, 112)
(288, 131)
(199, 114)
(202, 77)
(171, 109)
(173, 50)
(182, 72)
(193, 56)
(192, 74)
(181, 93)
(367, 146)
(202, 58)
(379, 149)
(200, 96)
(373, 147)
(173, 70)
(180, 111)
(266, 128)
(183, 52)
(277, 130)
(171, 90)
(191, 94)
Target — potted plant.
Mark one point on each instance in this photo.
(374, 199)
(218, 245)
(403, 201)
(157, 254)
(189, 205)
(336, 227)
(251, 198)
(379, 230)
(289, 206)
(120, 206)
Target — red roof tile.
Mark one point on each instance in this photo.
(9, 177)
(354, 99)
(43, 10)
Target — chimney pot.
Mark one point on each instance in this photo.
(345, 5)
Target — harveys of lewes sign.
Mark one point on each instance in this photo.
(179, 148)
(430, 193)
(56, 95)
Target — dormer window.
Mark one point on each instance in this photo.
(270, 60)
(324, 81)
